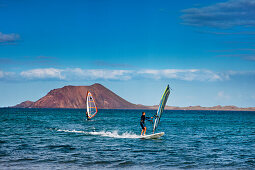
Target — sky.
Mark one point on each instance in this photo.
(205, 50)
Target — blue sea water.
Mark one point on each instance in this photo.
(63, 139)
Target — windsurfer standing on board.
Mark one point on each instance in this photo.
(87, 116)
(142, 122)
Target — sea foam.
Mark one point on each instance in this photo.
(114, 134)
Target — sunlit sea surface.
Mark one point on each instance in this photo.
(64, 139)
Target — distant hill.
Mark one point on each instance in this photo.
(75, 97)
(25, 104)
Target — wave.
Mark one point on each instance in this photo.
(72, 131)
(114, 134)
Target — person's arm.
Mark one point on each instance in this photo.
(149, 118)
(155, 115)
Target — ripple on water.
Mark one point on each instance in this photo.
(123, 164)
(61, 147)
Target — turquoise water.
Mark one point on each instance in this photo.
(62, 138)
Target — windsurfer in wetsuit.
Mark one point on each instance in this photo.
(142, 122)
(87, 116)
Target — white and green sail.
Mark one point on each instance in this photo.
(161, 107)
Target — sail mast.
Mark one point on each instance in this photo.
(161, 107)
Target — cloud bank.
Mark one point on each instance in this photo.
(222, 15)
(78, 74)
(181, 74)
(103, 74)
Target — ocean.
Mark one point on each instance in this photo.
(64, 139)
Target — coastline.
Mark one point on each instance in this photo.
(198, 108)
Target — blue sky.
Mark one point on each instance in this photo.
(204, 49)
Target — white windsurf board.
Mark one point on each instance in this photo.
(153, 136)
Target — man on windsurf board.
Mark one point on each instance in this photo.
(142, 122)
(87, 115)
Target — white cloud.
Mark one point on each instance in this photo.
(181, 74)
(47, 73)
(78, 74)
(9, 37)
(94, 74)
(7, 75)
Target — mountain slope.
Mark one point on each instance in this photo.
(75, 97)
(25, 104)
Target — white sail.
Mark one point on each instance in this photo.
(91, 106)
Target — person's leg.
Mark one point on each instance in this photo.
(144, 130)
(142, 125)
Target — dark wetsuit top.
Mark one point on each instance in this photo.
(142, 122)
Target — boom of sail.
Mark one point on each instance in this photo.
(91, 106)
(161, 107)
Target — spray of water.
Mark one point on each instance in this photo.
(114, 134)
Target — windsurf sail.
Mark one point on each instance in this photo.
(91, 106)
(161, 108)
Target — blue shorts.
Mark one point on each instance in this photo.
(142, 125)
